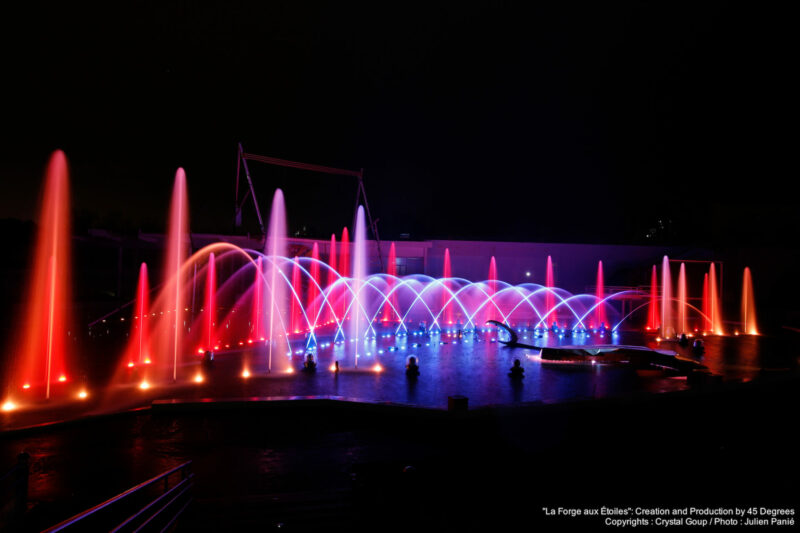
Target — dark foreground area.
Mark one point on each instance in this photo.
(327, 465)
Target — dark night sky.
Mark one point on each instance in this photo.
(559, 122)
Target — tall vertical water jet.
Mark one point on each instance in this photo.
(210, 304)
(313, 290)
(549, 297)
(257, 313)
(707, 325)
(358, 323)
(332, 293)
(667, 327)
(600, 310)
(748, 304)
(140, 333)
(344, 269)
(652, 311)
(682, 301)
(45, 355)
(714, 301)
(447, 273)
(391, 271)
(490, 306)
(177, 246)
(275, 248)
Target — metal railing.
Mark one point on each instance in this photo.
(149, 506)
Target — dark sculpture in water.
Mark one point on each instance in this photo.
(636, 356)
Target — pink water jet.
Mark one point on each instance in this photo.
(177, 251)
(682, 301)
(332, 292)
(210, 304)
(358, 324)
(490, 307)
(748, 304)
(257, 313)
(45, 355)
(550, 315)
(600, 310)
(652, 311)
(707, 325)
(313, 291)
(667, 327)
(714, 301)
(391, 271)
(344, 270)
(275, 248)
(446, 293)
(140, 331)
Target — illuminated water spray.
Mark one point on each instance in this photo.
(652, 310)
(329, 311)
(44, 353)
(359, 275)
(682, 301)
(549, 298)
(313, 291)
(276, 249)
(600, 310)
(748, 304)
(391, 271)
(714, 301)
(448, 273)
(140, 318)
(707, 325)
(176, 255)
(490, 307)
(667, 327)
(210, 306)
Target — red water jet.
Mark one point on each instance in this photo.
(490, 315)
(707, 325)
(210, 305)
(652, 311)
(140, 332)
(748, 304)
(176, 253)
(313, 291)
(549, 297)
(332, 293)
(600, 310)
(391, 271)
(44, 355)
(715, 304)
(446, 296)
(344, 269)
(256, 317)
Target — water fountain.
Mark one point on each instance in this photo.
(715, 303)
(43, 364)
(268, 308)
(667, 327)
(748, 304)
(652, 309)
(600, 312)
(683, 326)
(276, 249)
